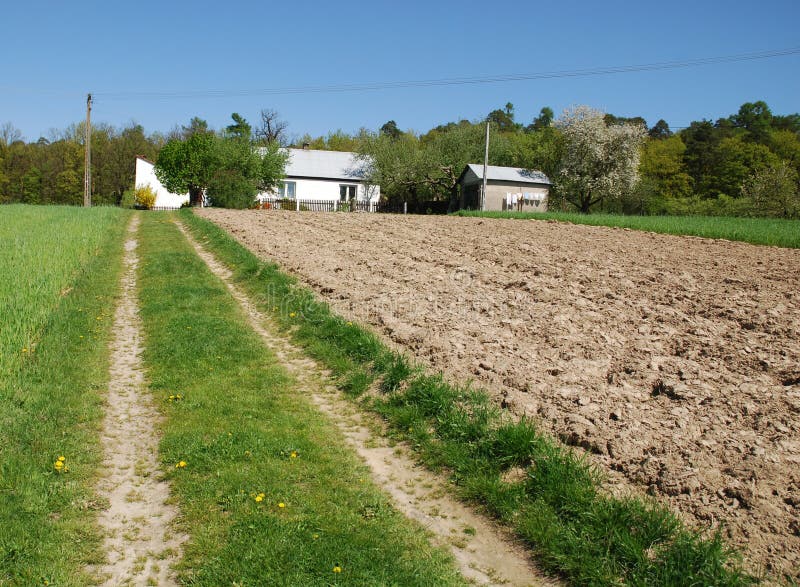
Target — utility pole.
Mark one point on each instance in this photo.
(87, 159)
(485, 166)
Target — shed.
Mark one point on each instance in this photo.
(507, 188)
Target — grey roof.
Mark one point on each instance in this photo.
(515, 174)
(323, 164)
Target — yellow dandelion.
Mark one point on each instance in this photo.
(62, 459)
(281, 505)
(292, 315)
(259, 498)
(58, 465)
(24, 350)
(337, 569)
(293, 455)
(81, 336)
(180, 465)
(315, 536)
(349, 323)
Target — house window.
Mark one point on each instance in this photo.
(347, 192)
(288, 189)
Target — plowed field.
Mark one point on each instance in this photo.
(675, 361)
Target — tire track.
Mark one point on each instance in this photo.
(486, 554)
(139, 541)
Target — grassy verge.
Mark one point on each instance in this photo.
(268, 492)
(759, 231)
(544, 490)
(51, 397)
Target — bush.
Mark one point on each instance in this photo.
(144, 196)
(128, 199)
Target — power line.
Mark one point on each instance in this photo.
(501, 78)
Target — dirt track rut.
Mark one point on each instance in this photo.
(675, 361)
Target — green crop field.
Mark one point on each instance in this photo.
(58, 278)
(758, 231)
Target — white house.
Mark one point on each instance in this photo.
(146, 176)
(329, 176)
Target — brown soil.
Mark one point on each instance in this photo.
(485, 554)
(675, 361)
(140, 545)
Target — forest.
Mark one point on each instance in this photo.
(747, 164)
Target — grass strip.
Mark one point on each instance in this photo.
(548, 493)
(51, 405)
(778, 232)
(269, 493)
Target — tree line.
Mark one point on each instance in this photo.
(747, 164)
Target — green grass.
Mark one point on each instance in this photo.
(239, 420)
(759, 231)
(43, 250)
(557, 505)
(59, 272)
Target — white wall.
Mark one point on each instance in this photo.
(145, 175)
(324, 190)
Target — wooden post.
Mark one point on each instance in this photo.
(87, 156)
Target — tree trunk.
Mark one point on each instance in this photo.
(195, 196)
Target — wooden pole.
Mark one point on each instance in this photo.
(87, 162)
(485, 166)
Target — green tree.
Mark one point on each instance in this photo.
(240, 129)
(756, 118)
(231, 169)
(503, 119)
(660, 130)
(544, 120)
(665, 182)
(390, 129)
(189, 165)
(600, 161)
(774, 191)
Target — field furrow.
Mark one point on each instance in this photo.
(672, 360)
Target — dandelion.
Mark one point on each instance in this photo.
(337, 569)
(281, 505)
(293, 455)
(181, 465)
(349, 323)
(292, 315)
(315, 536)
(58, 465)
(259, 498)
(81, 336)
(24, 350)
(62, 459)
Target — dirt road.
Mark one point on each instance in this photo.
(675, 361)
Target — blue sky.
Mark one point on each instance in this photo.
(49, 63)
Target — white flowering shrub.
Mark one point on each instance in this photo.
(600, 161)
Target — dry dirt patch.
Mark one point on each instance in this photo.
(675, 361)
(139, 542)
(486, 554)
